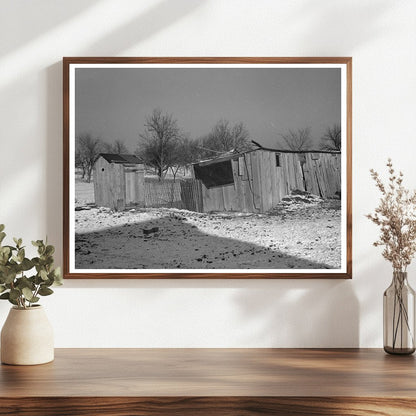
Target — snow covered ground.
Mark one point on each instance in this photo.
(303, 232)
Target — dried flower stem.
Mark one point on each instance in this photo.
(396, 216)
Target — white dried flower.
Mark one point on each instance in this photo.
(396, 216)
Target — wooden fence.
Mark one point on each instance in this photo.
(191, 195)
(183, 194)
(162, 193)
(121, 186)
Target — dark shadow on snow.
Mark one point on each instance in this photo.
(176, 245)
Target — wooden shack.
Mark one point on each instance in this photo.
(118, 181)
(257, 180)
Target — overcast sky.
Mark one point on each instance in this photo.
(113, 103)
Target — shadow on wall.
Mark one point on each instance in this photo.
(336, 18)
(141, 27)
(45, 16)
(300, 313)
(176, 244)
(157, 18)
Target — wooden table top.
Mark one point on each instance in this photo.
(214, 372)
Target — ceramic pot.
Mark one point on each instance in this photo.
(27, 337)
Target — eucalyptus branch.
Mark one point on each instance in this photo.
(16, 285)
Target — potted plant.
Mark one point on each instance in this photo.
(396, 217)
(27, 336)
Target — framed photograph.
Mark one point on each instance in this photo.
(207, 168)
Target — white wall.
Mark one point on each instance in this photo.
(380, 35)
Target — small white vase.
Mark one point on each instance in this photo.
(27, 337)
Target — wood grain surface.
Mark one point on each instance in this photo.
(208, 406)
(212, 381)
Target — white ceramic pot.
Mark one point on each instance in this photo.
(27, 337)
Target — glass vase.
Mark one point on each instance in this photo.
(399, 316)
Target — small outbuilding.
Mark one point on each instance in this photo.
(257, 180)
(118, 181)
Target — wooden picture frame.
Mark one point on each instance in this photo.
(98, 91)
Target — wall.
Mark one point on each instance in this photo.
(380, 36)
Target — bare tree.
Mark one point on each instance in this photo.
(331, 140)
(87, 151)
(297, 140)
(159, 141)
(224, 138)
(185, 153)
(118, 147)
(79, 160)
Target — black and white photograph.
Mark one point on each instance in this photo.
(208, 168)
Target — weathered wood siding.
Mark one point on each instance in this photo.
(135, 187)
(323, 174)
(117, 186)
(109, 185)
(234, 197)
(259, 184)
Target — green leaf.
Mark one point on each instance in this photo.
(49, 250)
(46, 260)
(48, 282)
(35, 261)
(3, 259)
(43, 274)
(15, 294)
(8, 276)
(55, 273)
(37, 243)
(45, 291)
(2, 289)
(18, 242)
(24, 282)
(13, 302)
(26, 264)
(2, 227)
(38, 280)
(2, 236)
(5, 250)
(21, 255)
(27, 293)
(7, 296)
(14, 267)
